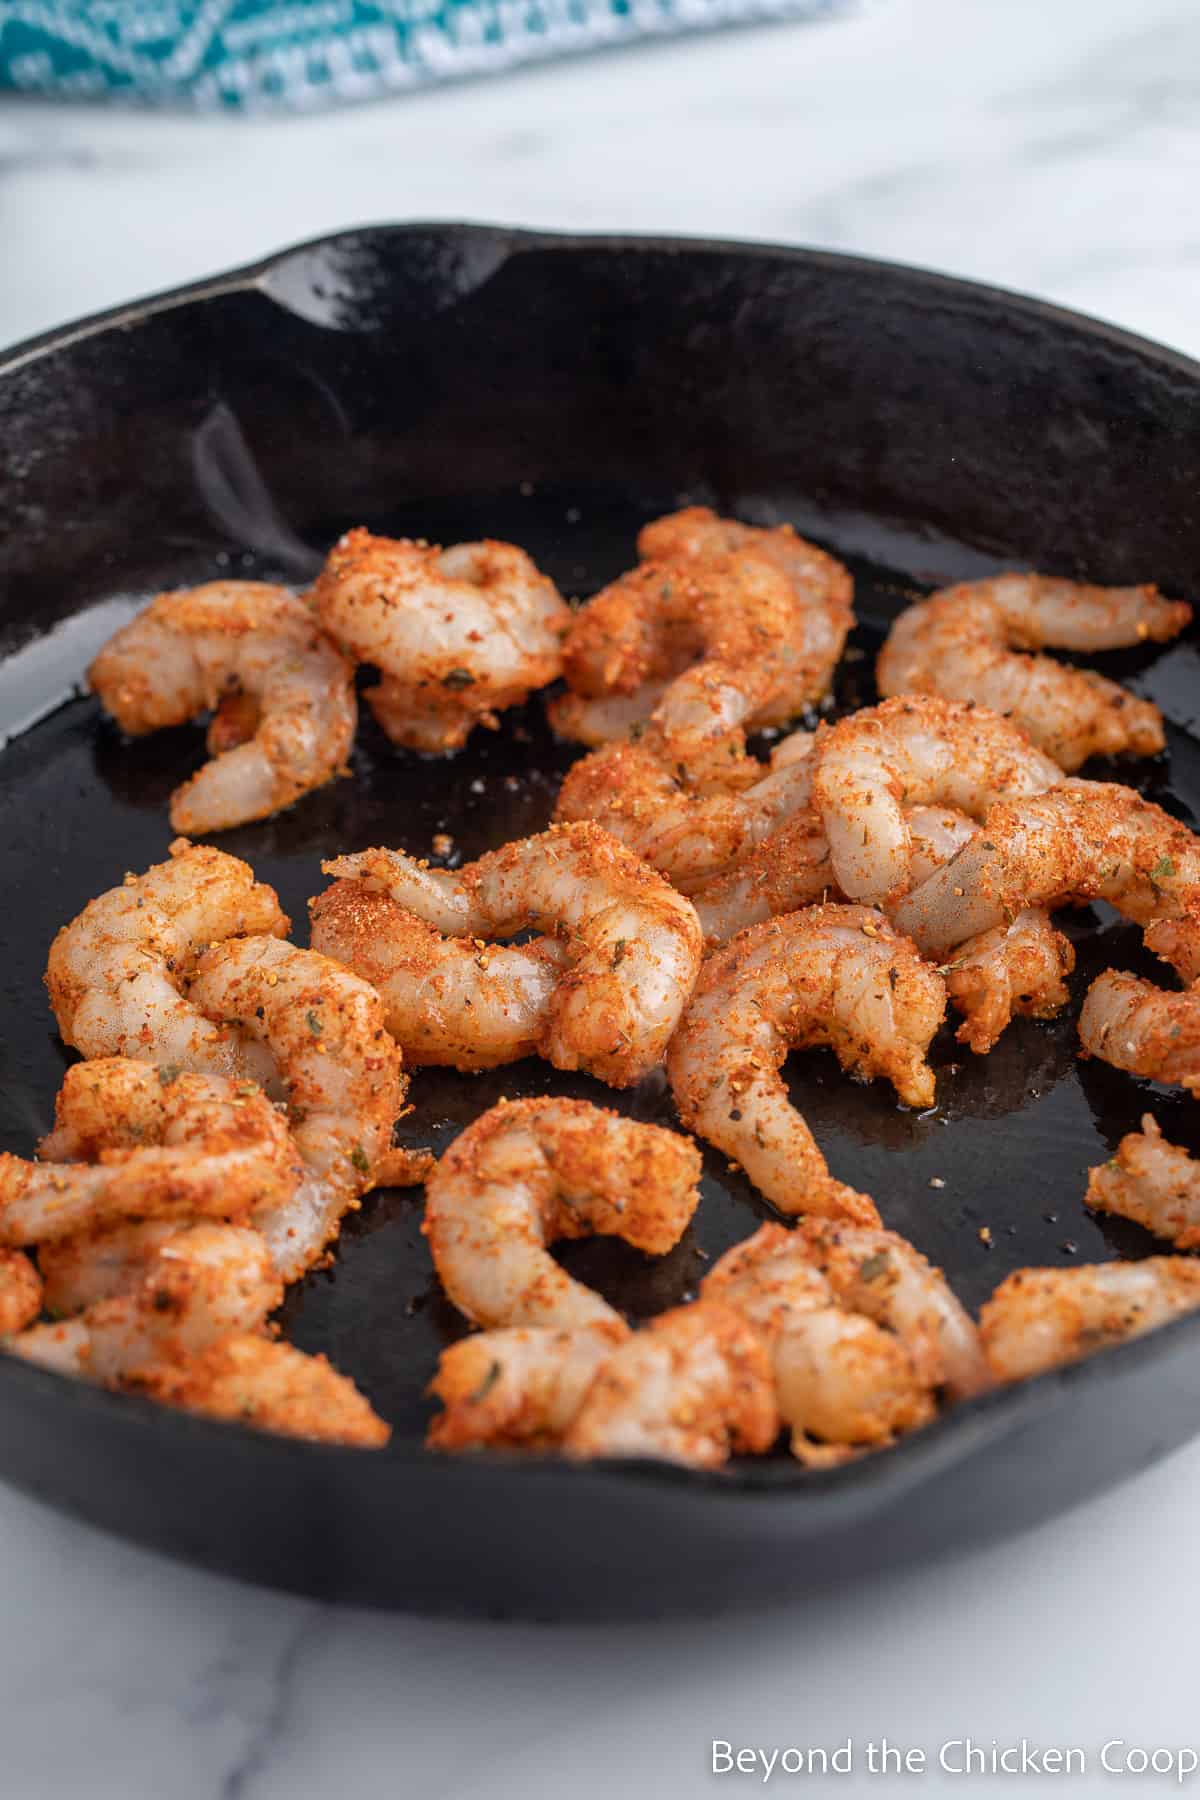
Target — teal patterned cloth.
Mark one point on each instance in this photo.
(258, 54)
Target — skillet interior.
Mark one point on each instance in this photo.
(454, 383)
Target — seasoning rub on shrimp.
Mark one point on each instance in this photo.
(965, 643)
(1038, 1319)
(1153, 1182)
(519, 1387)
(260, 1381)
(283, 694)
(836, 975)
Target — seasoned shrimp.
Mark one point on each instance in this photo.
(1084, 840)
(1152, 1182)
(965, 642)
(271, 1385)
(842, 1380)
(134, 1141)
(1019, 968)
(517, 1387)
(907, 752)
(632, 944)
(687, 827)
(284, 696)
(532, 1171)
(341, 1071)
(116, 973)
(1038, 1319)
(190, 1288)
(599, 719)
(836, 975)
(20, 1292)
(692, 1386)
(1145, 1029)
(446, 1000)
(78, 1271)
(458, 634)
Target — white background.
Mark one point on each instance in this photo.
(1050, 145)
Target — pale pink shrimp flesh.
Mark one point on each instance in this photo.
(1155, 1183)
(1147, 1030)
(283, 694)
(518, 1387)
(836, 975)
(1038, 1319)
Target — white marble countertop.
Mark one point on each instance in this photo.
(1050, 145)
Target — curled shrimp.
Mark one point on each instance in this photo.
(632, 944)
(458, 634)
(533, 1171)
(836, 975)
(965, 642)
(134, 1141)
(116, 973)
(446, 1000)
(517, 1387)
(271, 1385)
(1038, 1319)
(323, 1029)
(20, 1292)
(189, 1288)
(907, 752)
(1152, 1182)
(691, 1387)
(843, 1380)
(1082, 841)
(284, 696)
(687, 824)
(1148, 1030)
(1018, 968)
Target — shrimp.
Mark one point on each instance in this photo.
(532, 1171)
(192, 1287)
(601, 719)
(446, 1000)
(270, 1385)
(116, 973)
(841, 1379)
(518, 1387)
(324, 1030)
(692, 1386)
(632, 944)
(134, 1141)
(1038, 1319)
(1147, 1030)
(1020, 968)
(687, 828)
(1152, 1182)
(906, 752)
(20, 1292)
(1084, 840)
(78, 1271)
(458, 634)
(964, 644)
(821, 587)
(284, 696)
(836, 975)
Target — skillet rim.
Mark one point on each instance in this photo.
(969, 1427)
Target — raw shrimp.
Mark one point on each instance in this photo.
(1038, 1319)
(687, 827)
(1013, 969)
(20, 1292)
(341, 1071)
(821, 587)
(116, 973)
(964, 643)
(603, 719)
(96, 1265)
(1084, 840)
(692, 1386)
(1145, 1029)
(135, 1141)
(532, 1171)
(632, 944)
(881, 1275)
(907, 752)
(458, 634)
(841, 1378)
(517, 1387)
(1153, 1182)
(836, 975)
(446, 1000)
(190, 1288)
(284, 696)
(271, 1385)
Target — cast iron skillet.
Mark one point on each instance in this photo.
(453, 381)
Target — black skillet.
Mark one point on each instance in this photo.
(455, 381)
